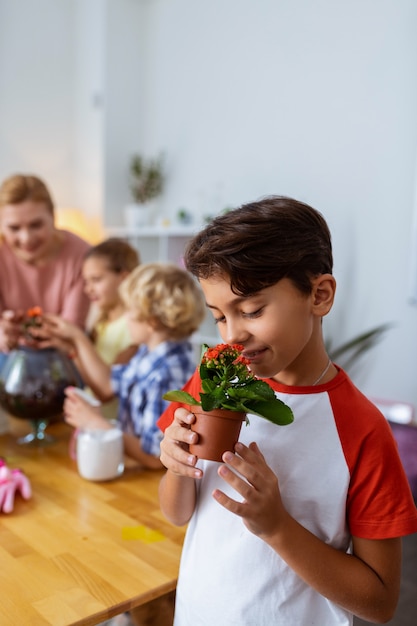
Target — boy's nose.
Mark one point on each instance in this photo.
(235, 333)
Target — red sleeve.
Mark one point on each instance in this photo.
(193, 386)
(380, 503)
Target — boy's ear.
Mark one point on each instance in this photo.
(323, 292)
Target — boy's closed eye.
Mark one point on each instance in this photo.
(253, 314)
(249, 315)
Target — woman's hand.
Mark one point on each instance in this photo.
(262, 510)
(175, 454)
(79, 413)
(10, 329)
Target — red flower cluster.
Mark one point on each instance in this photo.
(224, 352)
(35, 311)
(228, 361)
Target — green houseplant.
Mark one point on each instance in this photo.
(229, 392)
(146, 182)
(348, 353)
(146, 178)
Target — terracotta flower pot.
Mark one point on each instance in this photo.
(218, 431)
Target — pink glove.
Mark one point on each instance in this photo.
(12, 481)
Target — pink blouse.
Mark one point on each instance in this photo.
(56, 287)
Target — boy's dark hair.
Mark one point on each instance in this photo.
(118, 253)
(259, 243)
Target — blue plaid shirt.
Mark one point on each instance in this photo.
(141, 383)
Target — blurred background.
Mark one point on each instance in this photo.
(316, 100)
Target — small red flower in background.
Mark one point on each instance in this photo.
(33, 317)
(35, 311)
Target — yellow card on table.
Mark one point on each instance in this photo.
(141, 533)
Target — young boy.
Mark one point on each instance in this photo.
(164, 307)
(302, 523)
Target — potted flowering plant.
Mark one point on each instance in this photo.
(229, 391)
(227, 383)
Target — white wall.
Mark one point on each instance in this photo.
(36, 91)
(88, 97)
(312, 99)
(124, 99)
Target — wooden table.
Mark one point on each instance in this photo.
(81, 552)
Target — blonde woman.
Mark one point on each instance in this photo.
(40, 265)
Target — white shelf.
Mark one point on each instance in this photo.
(156, 243)
(154, 231)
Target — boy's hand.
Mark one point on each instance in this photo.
(175, 455)
(262, 510)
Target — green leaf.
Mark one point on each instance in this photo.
(275, 411)
(347, 354)
(208, 386)
(204, 349)
(208, 403)
(255, 390)
(214, 400)
(180, 396)
(263, 390)
(204, 371)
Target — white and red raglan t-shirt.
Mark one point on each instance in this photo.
(339, 474)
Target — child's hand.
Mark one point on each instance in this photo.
(55, 332)
(262, 510)
(175, 455)
(64, 345)
(56, 326)
(80, 414)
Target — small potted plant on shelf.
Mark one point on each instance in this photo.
(229, 391)
(146, 184)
